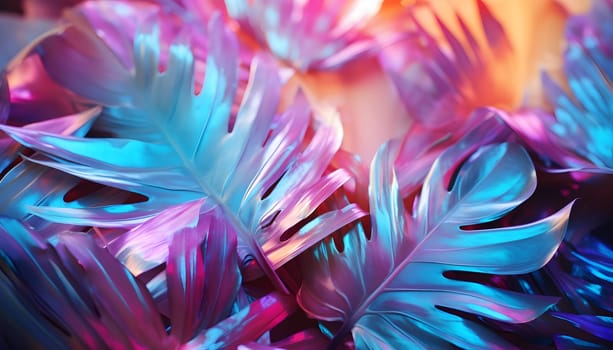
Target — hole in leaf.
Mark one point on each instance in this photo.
(269, 220)
(268, 137)
(272, 187)
(82, 189)
(294, 229)
(26, 152)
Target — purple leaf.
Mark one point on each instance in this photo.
(77, 291)
(442, 82)
(317, 34)
(564, 342)
(203, 275)
(247, 325)
(599, 326)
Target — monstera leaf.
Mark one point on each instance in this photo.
(579, 134)
(26, 184)
(174, 147)
(420, 146)
(88, 299)
(442, 78)
(393, 290)
(202, 277)
(317, 34)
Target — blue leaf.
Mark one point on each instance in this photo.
(174, 147)
(391, 290)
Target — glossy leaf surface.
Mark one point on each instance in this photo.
(174, 146)
(579, 134)
(388, 290)
(308, 34)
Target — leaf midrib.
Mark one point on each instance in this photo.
(207, 191)
(362, 310)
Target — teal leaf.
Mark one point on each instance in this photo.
(391, 291)
(174, 146)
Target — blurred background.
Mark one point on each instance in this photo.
(13, 6)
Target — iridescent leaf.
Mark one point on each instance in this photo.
(308, 34)
(393, 291)
(202, 277)
(87, 298)
(173, 146)
(579, 135)
(246, 325)
(71, 293)
(442, 81)
(588, 284)
(421, 146)
(25, 184)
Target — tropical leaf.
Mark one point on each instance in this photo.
(88, 299)
(392, 290)
(421, 146)
(588, 284)
(579, 135)
(247, 325)
(442, 78)
(173, 147)
(201, 279)
(25, 184)
(318, 34)
(593, 32)
(203, 276)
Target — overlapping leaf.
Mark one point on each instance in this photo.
(201, 278)
(420, 146)
(579, 134)
(588, 284)
(173, 146)
(442, 81)
(88, 299)
(392, 291)
(311, 34)
(26, 184)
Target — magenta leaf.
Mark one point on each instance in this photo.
(246, 325)
(202, 274)
(88, 298)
